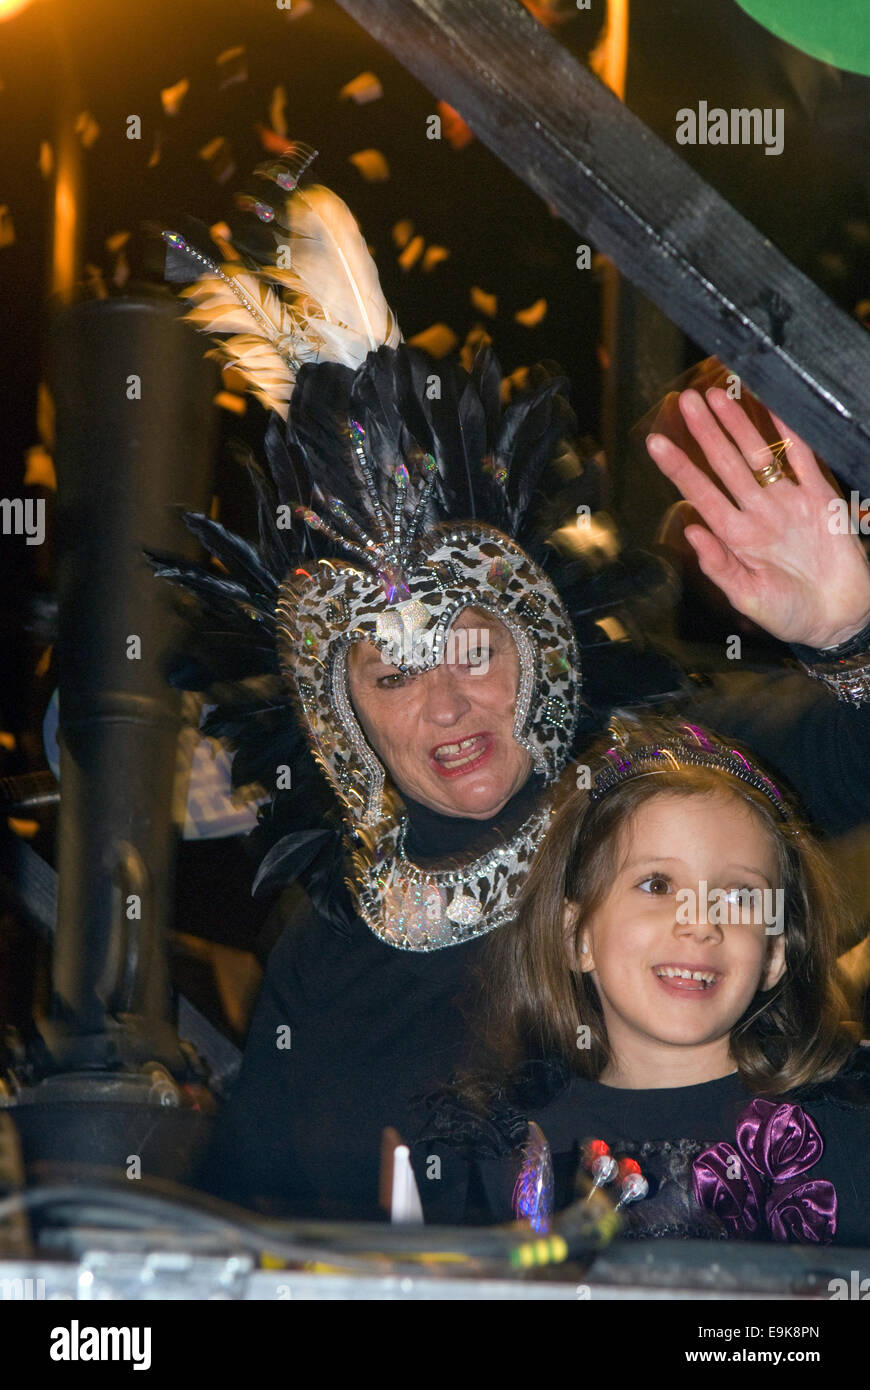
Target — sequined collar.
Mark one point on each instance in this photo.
(427, 909)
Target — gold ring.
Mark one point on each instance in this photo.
(771, 474)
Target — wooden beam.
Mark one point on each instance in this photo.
(556, 126)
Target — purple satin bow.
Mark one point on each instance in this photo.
(758, 1188)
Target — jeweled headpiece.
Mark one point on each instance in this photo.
(680, 745)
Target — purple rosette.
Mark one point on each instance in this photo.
(758, 1187)
(779, 1141)
(802, 1210)
(726, 1186)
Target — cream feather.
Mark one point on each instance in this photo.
(331, 267)
(328, 307)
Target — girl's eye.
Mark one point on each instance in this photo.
(656, 885)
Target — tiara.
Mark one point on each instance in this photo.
(690, 746)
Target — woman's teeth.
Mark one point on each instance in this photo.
(457, 753)
(671, 972)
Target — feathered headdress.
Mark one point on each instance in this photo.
(400, 490)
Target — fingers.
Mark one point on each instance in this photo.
(735, 461)
(707, 499)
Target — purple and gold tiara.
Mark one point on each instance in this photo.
(681, 745)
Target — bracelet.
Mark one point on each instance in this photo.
(844, 669)
(848, 677)
(857, 645)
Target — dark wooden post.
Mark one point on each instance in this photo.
(668, 231)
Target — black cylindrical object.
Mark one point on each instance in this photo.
(135, 442)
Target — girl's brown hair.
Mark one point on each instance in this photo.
(534, 1004)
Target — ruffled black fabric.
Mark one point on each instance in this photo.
(495, 1122)
(670, 1210)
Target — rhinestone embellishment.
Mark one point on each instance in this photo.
(465, 911)
(499, 574)
(426, 910)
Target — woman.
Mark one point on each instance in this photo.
(442, 766)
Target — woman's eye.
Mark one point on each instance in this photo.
(656, 885)
(392, 682)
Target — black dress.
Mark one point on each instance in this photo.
(479, 1149)
(371, 1027)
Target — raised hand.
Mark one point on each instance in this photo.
(774, 550)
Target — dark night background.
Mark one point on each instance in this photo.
(812, 200)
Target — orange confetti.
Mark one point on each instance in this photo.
(39, 468)
(277, 119)
(87, 128)
(154, 157)
(437, 340)
(532, 316)
(227, 400)
(486, 303)
(551, 13)
(402, 233)
(363, 89)
(234, 380)
(232, 61)
(517, 381)
(371, 164)
(45, 415)
(115, 242)
(7, 230)
(46, 159)
(270, 139)
(476, 338)
(172, 97)
(412, 253)
(456, 132)
(26, 829)
(221, 235)
(218, 154)
(434, 256)
(295, 9)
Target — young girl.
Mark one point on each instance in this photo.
(667, 999)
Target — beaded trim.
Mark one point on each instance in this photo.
(373, 766)
(627, 763)
(418, 909)
(848, 678)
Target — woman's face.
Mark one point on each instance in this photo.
(446, 735)
(643, 939)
